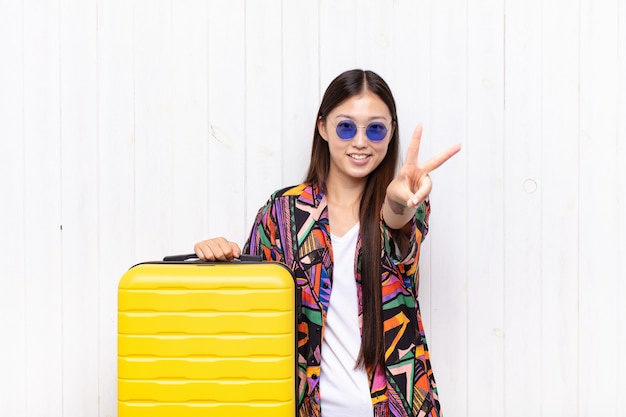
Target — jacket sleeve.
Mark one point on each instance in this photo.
(406, 261)
(264, 235)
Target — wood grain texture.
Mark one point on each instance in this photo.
(12, 206)
(43, 278)
(132, 129)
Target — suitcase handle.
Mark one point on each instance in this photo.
(188, 256)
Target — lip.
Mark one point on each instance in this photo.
(359, 158)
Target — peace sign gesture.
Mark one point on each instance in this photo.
(412, 185)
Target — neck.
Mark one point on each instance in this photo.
(344, 193)
(344, 204)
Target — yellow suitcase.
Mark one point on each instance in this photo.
(207, 339)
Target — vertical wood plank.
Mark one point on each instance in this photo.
(486, 199)
(12, 245)
(338, 43)
(79, 174)
(522, 199)
(621, 156)
(560, 192)
(153, 127)
(189, 124)
(42, 210)
(300, 86)
(373, 35)
(598, 256)
(449, 224)
(263, 112)
(410, 70)
(116, 180)
(226, 168)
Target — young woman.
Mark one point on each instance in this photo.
(351, 233)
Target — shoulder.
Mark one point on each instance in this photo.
(289, 198)
(291, 191)
(308, 194)
(279, 197)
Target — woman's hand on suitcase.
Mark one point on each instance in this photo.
(217, 249)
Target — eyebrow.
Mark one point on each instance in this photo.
(347, 116)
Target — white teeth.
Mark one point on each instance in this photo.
(359, 156)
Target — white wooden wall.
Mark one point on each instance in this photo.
(130, 129)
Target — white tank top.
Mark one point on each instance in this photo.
(344, 390)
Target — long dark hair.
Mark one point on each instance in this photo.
(346, 85)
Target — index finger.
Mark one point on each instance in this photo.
(412, 153)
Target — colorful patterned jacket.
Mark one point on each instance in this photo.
(292, 228)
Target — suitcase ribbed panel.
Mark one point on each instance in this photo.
(206, 340)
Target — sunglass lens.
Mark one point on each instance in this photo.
(346, 129)
(376, 131)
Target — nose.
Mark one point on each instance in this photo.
(360, 139)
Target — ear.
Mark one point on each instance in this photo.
(393, 128)
(321, 127)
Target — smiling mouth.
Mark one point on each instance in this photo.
(359, 157)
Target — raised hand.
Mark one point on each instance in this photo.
(412, 185)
